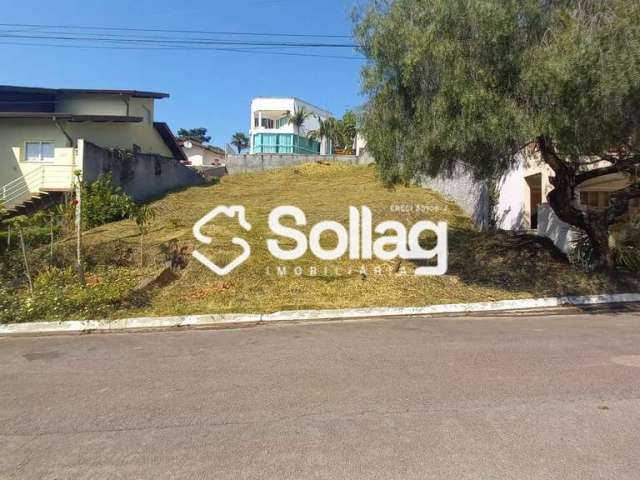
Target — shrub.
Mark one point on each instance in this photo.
(102, 202)
(58, 296)
(581, 252)
(627, 240)
(627, 247)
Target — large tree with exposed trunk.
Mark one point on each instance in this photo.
(470, 82)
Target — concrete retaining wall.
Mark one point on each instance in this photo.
(268, 161)
(550, 226)
(143, 177)
(472, 196)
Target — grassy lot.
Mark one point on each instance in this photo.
(481, 267)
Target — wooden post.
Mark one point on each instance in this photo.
(26, 262)
(79, 268)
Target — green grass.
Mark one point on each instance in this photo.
(481, 267)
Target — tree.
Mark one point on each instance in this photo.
(347, 130)
(328, 129)
(471, 83)
(143, 216)
(196, 134)
(297, 118)
(240, 141)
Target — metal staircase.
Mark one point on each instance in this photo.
(40, 182)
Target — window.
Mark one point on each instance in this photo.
(595, 200)
(267, 123)
(281, 122)
(39, 152)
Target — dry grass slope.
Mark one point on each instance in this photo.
(482, 267)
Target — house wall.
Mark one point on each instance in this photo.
(144, 177)
(91, 104)
(96, 104)
(260, 162)
(13, 135)
(195, 155)
(15, 132)
(511, 210)
(199, 156)
(120, 135)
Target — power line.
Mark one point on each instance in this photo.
(160, 30)
(184, 48)
(177, 42)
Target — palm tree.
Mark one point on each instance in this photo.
(327, 129)
(297, 118)
(240, 141)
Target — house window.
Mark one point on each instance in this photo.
(595, 200)
(39, 152)
(267, 123)
(282, 122)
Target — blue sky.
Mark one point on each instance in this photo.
(208, 88)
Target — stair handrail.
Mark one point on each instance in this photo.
(21, 186)
(27, 183)
(26, 175)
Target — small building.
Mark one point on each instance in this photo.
(201, 154)
(271, 132)
(47, 134)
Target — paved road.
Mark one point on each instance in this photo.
(474, 398)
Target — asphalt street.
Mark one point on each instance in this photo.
(540, 397)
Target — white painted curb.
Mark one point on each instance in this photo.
(86, 326)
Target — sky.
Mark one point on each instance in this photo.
(211, 89)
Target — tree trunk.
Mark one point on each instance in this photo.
(605, 255)
(563, 199)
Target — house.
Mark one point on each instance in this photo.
(47, 134)
(271, 132)
(522, 195)
(199, 154)
(519, 202)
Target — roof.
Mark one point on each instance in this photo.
(72, 117)
(130, 93)
(323, 110)
(211, 148)
(170, 140)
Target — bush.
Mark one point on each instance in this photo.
(627, 247)
(102, 202)
(627, 240)
(58, 296)
(582, 253)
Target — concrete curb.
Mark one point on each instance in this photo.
(88, 326)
